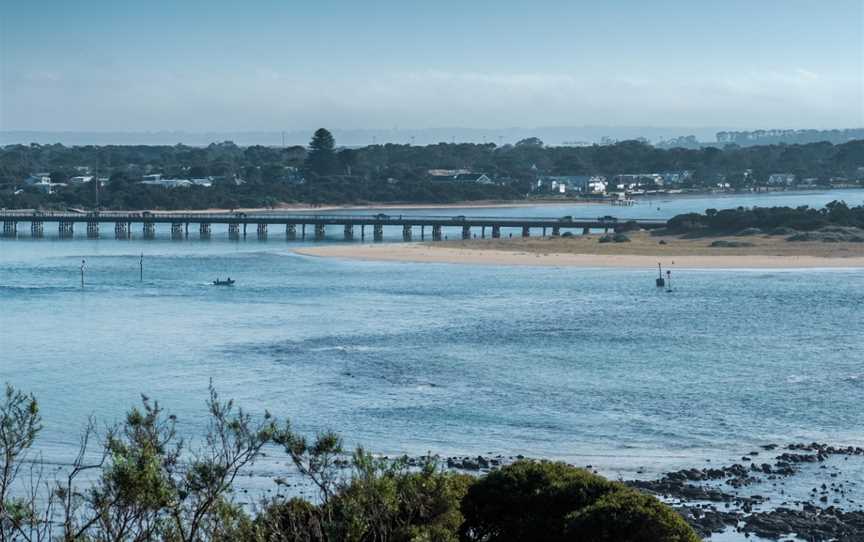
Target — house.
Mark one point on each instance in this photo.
(38, 178)
(167, 183)
(42, 182)
(448, 173)
(676, 177)
(630, 181)
(781, 179)
(561, 184)
(206, 182)
(155, 179)
(479, 178)
(597, 185)
(81, 179)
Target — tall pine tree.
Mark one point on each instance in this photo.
(321, 158)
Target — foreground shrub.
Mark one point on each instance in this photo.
(294, 520)
(529, 501)
(379, 500)
(388, 501)
(142, 486)
(627, 516)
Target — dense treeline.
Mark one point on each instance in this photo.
(388, 173)
(125, 194)
(143, 484)
(836, 213)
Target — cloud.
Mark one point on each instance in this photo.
(266, 97)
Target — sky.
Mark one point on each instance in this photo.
(96, 65)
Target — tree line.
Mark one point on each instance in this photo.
(140, 481)
(768, 219)
(258, 176)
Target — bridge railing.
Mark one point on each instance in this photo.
(145, 216)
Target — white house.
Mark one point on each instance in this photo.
(155, 179)
(781, 179)
(38, 178)
(597, 185)
(448, 173)
(206, 182)
(168, 183)
(480, 178)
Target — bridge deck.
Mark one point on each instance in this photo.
(328, 219)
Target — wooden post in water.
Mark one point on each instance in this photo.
(141, 268)
(83, 263)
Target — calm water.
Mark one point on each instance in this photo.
(591, 366)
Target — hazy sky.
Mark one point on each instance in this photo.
(273, 65)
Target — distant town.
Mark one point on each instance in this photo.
(226, 175)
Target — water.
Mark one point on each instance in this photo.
(592, 366)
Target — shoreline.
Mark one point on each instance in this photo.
(644, 251)
(479, 204)
(419, 254)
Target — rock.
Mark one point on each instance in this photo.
(614, 238)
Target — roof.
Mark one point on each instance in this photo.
(470, 176)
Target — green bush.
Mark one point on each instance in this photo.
(627, 516)
(529, 501)
(295, 520)
(554, 502)
(389, 501)
(381, 500)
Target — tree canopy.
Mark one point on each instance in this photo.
(259, 176)
(321, 158)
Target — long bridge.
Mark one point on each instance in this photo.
(296, 224)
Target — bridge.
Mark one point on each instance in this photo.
(238, 224)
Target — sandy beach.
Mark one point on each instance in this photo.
(644, 250)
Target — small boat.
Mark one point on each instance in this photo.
(228, 282)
